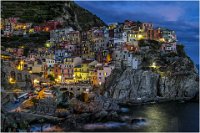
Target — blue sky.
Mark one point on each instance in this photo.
(183, 17)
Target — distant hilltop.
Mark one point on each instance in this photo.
(38, 12)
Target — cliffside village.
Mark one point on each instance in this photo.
(72, 57)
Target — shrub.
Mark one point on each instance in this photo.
(51, 77)
(180, 50)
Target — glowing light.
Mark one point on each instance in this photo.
(31, 30)
(18, 67)
(47, 29)
(35, 81)
(12, 81)
(99, 83)
(140, 36)
(162, 40)
(21, 62)
(153, 65)
(47, 45)
(105, 74)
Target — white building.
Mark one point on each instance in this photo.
(50, 62)
(169, 47)
(135, 62)
(103, 73)
(56, 35)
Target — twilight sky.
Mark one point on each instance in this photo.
(183, 17)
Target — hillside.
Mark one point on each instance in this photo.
(39, 11)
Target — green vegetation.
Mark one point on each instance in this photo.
(39, 11)
(51, 77)
(85, 18)
(155, 45)
(26, 51)
(32, 11)
(37, 39)
(180, 50)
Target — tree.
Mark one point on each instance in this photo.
(51, 77)
(26, 51)
(180, 50)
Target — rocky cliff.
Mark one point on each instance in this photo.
(174, 78)
(143, 86)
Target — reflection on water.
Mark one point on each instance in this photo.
(108, 125)
(172, 117)
(45, 128)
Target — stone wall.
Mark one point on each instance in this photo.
(46, 106)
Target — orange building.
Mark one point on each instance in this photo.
(130, 47)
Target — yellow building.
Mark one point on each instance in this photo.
(77, 73)
(81, 72)
(85, 71)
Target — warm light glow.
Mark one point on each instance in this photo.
(59, 77)
(47, 29)
(99, 83)
(140, 36)
(153, 65)
(47, 45)
(30, 71)
(31, 30)
(12, 81)
(105, 74)
(21, 62)
(162, 40)
(18, 67)
(35, 81)
(24, 27)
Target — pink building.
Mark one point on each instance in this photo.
(103, 73)
(19, 52)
